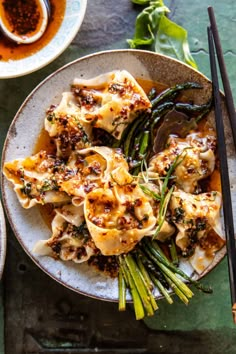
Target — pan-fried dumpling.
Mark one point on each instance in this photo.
(110, 101)
(204, 253)
(196, 160)
(35, 179)
(197, 218)
(113, 159)
(92, 168)
(118, 218)
(64, 125)
(70, 240)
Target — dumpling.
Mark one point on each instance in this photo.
(110, 101)
(92, 168)
(118, 218)
(35, 179)
(196, 160)
(197, 218)
(70, 240)
(63, 124)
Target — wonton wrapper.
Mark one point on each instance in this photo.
(203, 207)
(64, 243)
(105, 161)
(34, 180)
(113, 227)
(64, 125)
(197, 159)
(110, 101)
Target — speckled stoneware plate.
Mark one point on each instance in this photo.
(28, 225)
(3, 243)
(73, 18)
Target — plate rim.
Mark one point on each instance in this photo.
(3, 240)
(222, 253)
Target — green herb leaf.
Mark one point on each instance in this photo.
(149, 192)
(27, 188)
(172, 40)
(146, 25)
(162, 211)
(141, 2)
(154, 31)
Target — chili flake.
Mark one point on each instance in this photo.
(22, 15)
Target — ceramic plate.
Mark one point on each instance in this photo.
(2, 240)
(73, 18)
(28, 123)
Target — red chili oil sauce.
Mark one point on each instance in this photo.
(16, 10)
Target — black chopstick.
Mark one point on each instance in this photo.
(225, 79)
(225, 183)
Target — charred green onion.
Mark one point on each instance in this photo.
(156, 250)
(162, 211)
(139, 283)
(149, 192)
(173, 252)
(192, 108)
(172, 92)
(138, 306)
(122, 291)
(162, 110)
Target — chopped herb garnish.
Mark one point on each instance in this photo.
(27, 188)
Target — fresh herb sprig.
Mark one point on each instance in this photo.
(155, 31)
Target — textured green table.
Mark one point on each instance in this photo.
(206, 324)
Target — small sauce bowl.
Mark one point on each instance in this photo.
(22, 25)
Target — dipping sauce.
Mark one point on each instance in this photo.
(24, 17)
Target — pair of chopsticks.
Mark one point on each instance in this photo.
(215, 45)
